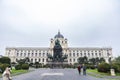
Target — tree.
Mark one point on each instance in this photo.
(27, 60)
(23, 61)
(97, 60)
(83, 60)
(50, 56)
(92, 61)
(117, 59)
(102, 60)
(37, 64)
(5, 60)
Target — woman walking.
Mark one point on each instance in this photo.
(6, 74)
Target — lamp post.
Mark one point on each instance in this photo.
(112, 72)
(110, 62)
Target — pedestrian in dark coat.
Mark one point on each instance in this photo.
(79, 69)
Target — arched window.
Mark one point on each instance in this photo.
(81, 53)
(70, 54)
(39, 60)
(77, 54)
(39, 54)
(17, 54)
(35, 60)
(70, 60)
(43, 54)
(24, 54)
(74, 60)
(96, 54)
(32, 54)
(73, 54)
(84, 54)
(46, 59)
(21, 54)
(32, 60)
(92, 54)
(28, 54)
(43, 60)
(99, 54)
(35, 54)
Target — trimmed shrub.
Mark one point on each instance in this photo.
(18, 67)
(92, 67)
(31, 64)
(25, 66)
(103, 67)
(116, 67)
(3, 67)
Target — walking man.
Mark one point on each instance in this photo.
(84, 69)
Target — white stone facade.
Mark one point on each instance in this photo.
(39, 54)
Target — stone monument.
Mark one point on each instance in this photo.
(58, 59)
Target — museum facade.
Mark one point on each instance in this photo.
(40, 54)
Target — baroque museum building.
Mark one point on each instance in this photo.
(39, 54)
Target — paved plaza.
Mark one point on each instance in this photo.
(54, 74)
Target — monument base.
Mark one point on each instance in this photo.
(112, 71)
(57, 65)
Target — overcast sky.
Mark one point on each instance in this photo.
(85, 23)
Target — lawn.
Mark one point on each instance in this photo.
(17, 72)
(95, 73)
(100, 73)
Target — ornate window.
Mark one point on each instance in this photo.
(35, 60)
(24, 54)
(70, 54)
(43, 60)
(39, 60)
(32, 54)
(39, 54)
(43, 54)
(35, 54)
(73, 54)
(21, 54)
(92, 54)
(28, 54)
(84, 54)
(74, 60)
(96, 54)
(17, 54)
(32, 60)
(77, 54)
(70, 60)
(99, 54)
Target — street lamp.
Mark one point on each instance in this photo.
(112, 71)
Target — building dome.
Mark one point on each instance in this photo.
(59, 35)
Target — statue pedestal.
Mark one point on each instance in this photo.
(112, 71)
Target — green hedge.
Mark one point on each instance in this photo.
(3, 67)
(116, 67)
(104, 67)
(18, 67)
(25, 66)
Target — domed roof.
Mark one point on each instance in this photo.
(59, 35)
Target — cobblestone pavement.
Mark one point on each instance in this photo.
(54, 74)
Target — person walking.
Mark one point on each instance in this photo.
(79, 69)
(84, 69)
(6, 74)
